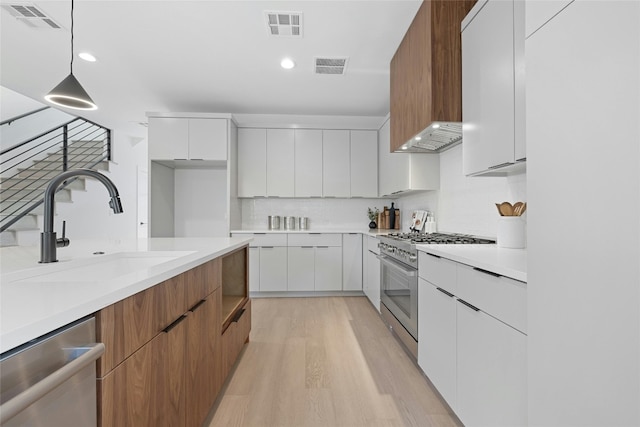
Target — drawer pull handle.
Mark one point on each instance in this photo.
(472, 307)
(174, 324)
(435, 256)
(196, 305)
(238, 315)
(490, 273)
(449, 294)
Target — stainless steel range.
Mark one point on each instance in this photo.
(399, 278)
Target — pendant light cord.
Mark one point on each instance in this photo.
(71, 36)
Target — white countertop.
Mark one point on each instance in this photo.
(369, 232)
(507, 262)
(32, 305)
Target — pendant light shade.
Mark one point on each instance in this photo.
(70, 93)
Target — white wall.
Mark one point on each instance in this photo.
(89, 216)
(322, 213)
(465, 204)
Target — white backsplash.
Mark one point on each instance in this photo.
(466, 204)
(322, 213)
(462, 205)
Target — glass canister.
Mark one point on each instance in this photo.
(274, 222)
(290, 223)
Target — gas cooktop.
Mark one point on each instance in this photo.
(438, 238)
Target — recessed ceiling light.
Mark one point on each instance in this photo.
(418, 138)
(404, 147)
(436, 126)
(87, 56)
(287, 63)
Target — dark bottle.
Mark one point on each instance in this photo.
(392, 217)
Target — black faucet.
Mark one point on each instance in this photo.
(48, 240)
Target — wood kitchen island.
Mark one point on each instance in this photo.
(172, 331)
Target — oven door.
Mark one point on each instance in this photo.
(399, 292)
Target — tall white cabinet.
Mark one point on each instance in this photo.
(583, 104)
(192, 175)
(308, 162)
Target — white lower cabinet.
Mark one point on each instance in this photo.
(301, 268)
(328, 268)
(477, 362)
(372, 280)
(491, 370)
(273, 269)
(352, 262)
(254, 269)
(437, 338)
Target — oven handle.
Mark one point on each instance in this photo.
(390, 262)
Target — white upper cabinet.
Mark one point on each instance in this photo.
(538, 13)
(280, 162)
(335, 163)
(252, 162)
(173, 138)
(364, 163)
(493, 87)
(208, 139)
(308, 163)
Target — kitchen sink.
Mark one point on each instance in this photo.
(103, 267)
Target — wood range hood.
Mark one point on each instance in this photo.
(426, 80)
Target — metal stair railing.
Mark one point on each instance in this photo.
(26, 167)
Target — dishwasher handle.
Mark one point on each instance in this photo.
(20, 402)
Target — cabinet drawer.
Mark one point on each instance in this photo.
(438, 271)
(313, 239)
(499, 296)
(265, 239)
(372, 245)
(234, 337)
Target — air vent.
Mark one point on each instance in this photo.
(284, 24)
(330, 65)
(31, 15)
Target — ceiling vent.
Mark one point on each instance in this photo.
(284, 24)
(330, 65)
(31, 15)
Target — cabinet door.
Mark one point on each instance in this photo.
(437, 338)
(273, 269)
(488, 88)
(301, 267)
(254, 269)
(252, 162)
(308, 163)
(393, 168)
(204, 357)
(147, 389)
(208, 139)
(352, 262)
(335, 163)
(280, 163)
(541, 12)
(364, 163)
(491, 371)
(373, 279)
(328, 271)
(168, 138)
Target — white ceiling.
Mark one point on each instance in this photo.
(208, 56)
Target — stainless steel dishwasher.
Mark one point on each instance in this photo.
(51, 381)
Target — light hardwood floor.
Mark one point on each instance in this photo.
(325, 362)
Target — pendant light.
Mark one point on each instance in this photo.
(69, 93)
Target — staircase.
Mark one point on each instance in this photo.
(28, 167)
